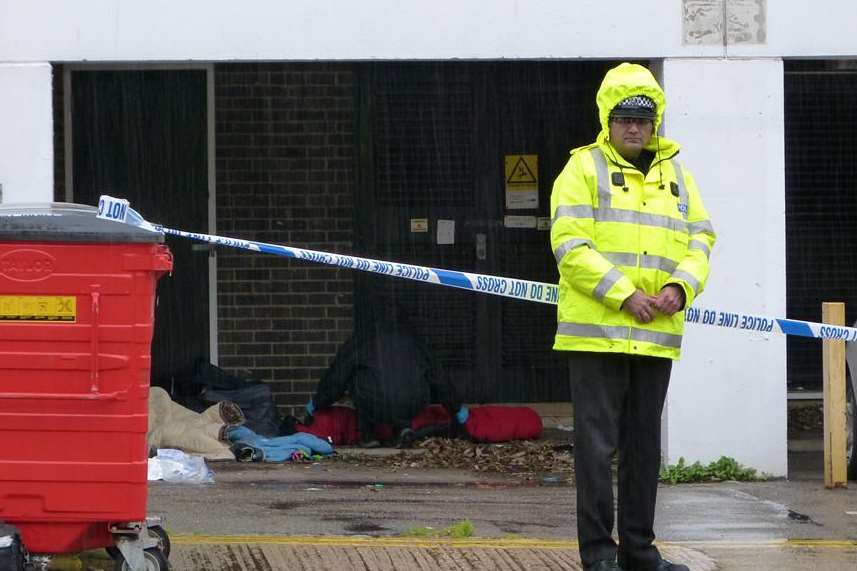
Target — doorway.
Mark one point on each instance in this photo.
(143, 134)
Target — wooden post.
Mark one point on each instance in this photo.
(835, 468)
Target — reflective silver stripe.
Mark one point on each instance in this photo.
(579, 211)
(620, 258)
(700, 245)
(656, 337)
(647, 261)
(657, 263)
(603, 180)
(569, 245)
(606, 283)
(616, 215)
(662, 221)
(642, 218)
(583, 330)
(682, 189)
(702, 226)
(619, 332)
(682, 275)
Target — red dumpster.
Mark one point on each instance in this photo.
(77, 298)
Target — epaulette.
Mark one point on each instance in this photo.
(583, 148)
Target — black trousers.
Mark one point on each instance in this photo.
(618, 400)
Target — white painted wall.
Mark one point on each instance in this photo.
(26, 133)
(822, 28)
(215, 30)
(728, 393)
(126, 30)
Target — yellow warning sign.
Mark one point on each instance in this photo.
(522, 181)
(56, 308)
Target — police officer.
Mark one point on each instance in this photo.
(632, 242)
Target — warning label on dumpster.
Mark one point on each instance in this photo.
(54, 308)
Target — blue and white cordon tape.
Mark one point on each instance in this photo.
(118, 209)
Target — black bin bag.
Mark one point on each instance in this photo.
(210, 385)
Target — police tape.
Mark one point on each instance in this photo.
(117, 209)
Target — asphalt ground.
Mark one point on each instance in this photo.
(335, 515)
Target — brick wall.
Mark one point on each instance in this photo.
(285, 174)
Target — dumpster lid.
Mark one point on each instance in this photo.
(66, 222)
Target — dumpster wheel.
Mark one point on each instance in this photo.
(159, 533)
(13, 555)
(154, 558)
(163, 539)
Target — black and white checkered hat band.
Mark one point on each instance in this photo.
(637, 102)
(639, 106)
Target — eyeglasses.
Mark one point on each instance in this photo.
(628, 121)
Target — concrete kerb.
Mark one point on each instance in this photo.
(238, 553)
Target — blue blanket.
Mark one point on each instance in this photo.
(251, 447)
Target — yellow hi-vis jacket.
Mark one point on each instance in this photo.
(612, 235)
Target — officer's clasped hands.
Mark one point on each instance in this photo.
(644, 307)
(670, 299)
(641, 306)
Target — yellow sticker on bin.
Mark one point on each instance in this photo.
(40, 308)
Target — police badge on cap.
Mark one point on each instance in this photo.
(638, 106)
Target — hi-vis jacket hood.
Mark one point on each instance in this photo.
(627, 80)
(623, 81)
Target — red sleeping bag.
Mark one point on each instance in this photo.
(487, 423)
(339, 423)
(494, 423)
(432, 415)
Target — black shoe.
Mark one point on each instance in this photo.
(663, 565)
(603, 566)
(406, 438)
(669, 566)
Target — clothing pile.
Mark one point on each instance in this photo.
(220, 433)
(174, 426)
(247, 446)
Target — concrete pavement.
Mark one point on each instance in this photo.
(335, 515)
